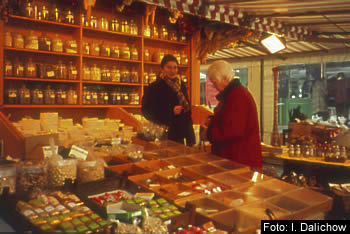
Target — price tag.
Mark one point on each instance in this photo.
(48, 152)
(78, 153)
(74, 72)
(50, 74)
(116, 141)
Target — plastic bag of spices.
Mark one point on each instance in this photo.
(90, 170)
(31, 174)
(60, 170)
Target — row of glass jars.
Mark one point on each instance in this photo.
(39, 95)
(98, 49)
(32, 41)
(30, 69)
(114, 25)
(45, 12)
(113, 74)
(157, 56)
(162, 32)
(119, 96)
(150, 77)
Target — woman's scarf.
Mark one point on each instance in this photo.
(175, 84)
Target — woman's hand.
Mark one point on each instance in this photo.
(178, 109)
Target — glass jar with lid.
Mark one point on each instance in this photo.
(72, 71)
(8, 67)
(24, 95)
(95, 73)
(57, 45)
(133, 27)
(101, 97)
(45, 43)
(44, 13)
(30, 69)
(133, 53)
(72, 96)
(94, 98)
(18, 68)
(93, 22)
(86, 72)
(145, 78)
(8, 39)
(32, 41)
(86, 48)
(50, 71)
(115, 74)
(71, 47)
(29, 10)
(147, 56)
(163, 32)
(134, 76)
(115, 25)
(154, 31)
(125, 75)
(105, 50)
(47, 95)
(125, 52)
(64, 97)
(184, 59)
(147, 31)
(102, 23)
(69, 18)
(35, 96)
(18, 41)
(125, 26)
(95, 49)
(61, 71)
(105, 74)
(12, 96)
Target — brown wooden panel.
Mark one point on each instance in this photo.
(13, 139)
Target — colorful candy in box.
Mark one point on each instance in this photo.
(110, 197)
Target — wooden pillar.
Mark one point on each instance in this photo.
(195, 70)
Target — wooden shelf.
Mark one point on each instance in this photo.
(68, 106)
(111, 59)
(47, 22)
(41, 52)
(166, 41)
(95, 30)
(110, 83)
(41, 79)
(155, 63)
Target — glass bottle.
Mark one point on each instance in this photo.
(113, 97)
(134, 76)
(70, 96)
(155, 33)
(47, 95)
(133, 27)
(18, 68)
(115, 74)
(152, 76)
(30, 69)
(45, 43)
(125, 75)
(134, 54)
(115, 51)
(88, 97)
(56, 16)
(40, 97)
(24, 95)
(147, 57)
(32, 41)
(69, 19)
(84, 95)
(86, 72)
(105, 50)
(34, 94)
(126, 98)
(145, 78)
(8, 67)
(58, 95)
(101, 97)
(102, 23)
(95, 73)
(12, 96)
(8, 39)
(94, 98)
(61, 71)
(119, 97)
(147, 31)
(57, 45)
(184, 78)
(72, 71)
(95, 49)
(125, 52)
(50, 71)
(164, 32)
(29, 11)
(18, 41)
(93, 22)
(184, 59)
(137, 98)
(115, 25)
(105, 74)
(106, 98)
(44, 13)
(86, 48)
(64, 97)
(125, 26)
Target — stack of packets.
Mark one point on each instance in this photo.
(64, 212)
(345, 188)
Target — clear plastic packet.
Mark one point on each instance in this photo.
(90, 170)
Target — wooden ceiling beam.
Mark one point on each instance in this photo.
(320, 23)
(223, 2)
(327, 40)
(308, 13)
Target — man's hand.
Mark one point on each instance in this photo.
(178, 109)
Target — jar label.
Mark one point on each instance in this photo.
(40, 96)
(88, 97)
(94, 96)
(106, 98)
(52, 96)
(74, 72)
(63, 96)
(8, 67)
(78, 153)
(75, 96)
(118, 97)
(126, 97)
(27, 96)
(50, 74)
(12, 95)
(73, 45)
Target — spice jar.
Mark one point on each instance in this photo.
(93, 22)
(133, 27)
(115, 74)
(31, 41)
(44, 13)
(8, 39)
(8, 179)
(44, 44)
(115, 53)
(86, 72)
(71, 47)
(18, 69)
(134, 76)
(57, 45)
(95, 49)
(102, 23)
(115, 25)
(31, 174)
(8, 67)
(86, 48)
(146, 57)
(134, 54)
(95, 73)
(147, 31)
(125, 27)
(164, 32)
(145, 78)
(30, 69)
(18, 41)
(105, 50)
(69, 19)
(125, 75)
(72, 71)
(59, 170)
(12, 96)
(61, 71)
(125, 52)
(154, 31)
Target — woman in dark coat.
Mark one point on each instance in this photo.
(166, 102)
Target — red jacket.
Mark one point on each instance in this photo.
(234, 129)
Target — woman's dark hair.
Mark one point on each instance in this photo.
(167, 58)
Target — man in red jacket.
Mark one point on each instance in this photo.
(234, 128)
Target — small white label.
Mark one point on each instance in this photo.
(28, 213)
(78, 153)
(48, 152)
(88, 97)
(106, 98)
(63, 96)
(60, 207)
(74, 72)
(52, 96)
(116, 141)
(137, 213)
(73, 45)
(27, 96)
(118, 97)
(51, 74)
(49, 209)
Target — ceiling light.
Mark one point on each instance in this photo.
(273, 44)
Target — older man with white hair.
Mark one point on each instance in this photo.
(234, 128)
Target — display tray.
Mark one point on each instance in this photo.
(230, 179)
(149, 180)
(128, 169)
(264, 211)
(257, 191)
(161, 153)
(289, 204)
(207, 186)
(233, 199)
(115, 160)
(205, 157)
(155, 165)
(166, 144)
(183, 161)
(206, 169)
(278, 186)
(181, 175)
(184, 150)
(230, 165)
(253, 176)
(207, 206)
(176, 192)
